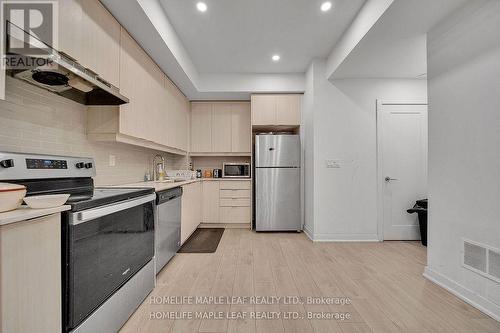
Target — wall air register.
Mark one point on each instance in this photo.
(482, 259)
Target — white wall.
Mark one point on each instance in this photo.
(344, 205)
(307, 138)
(369, 14)
(464, 148)
(33, 120)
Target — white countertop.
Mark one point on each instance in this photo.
(25, 213)
(159, 186)
(162, 186)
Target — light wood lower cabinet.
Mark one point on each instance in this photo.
(234, 193)
(227, 202)
(236, 185)
(235, 202)
(30, 276)
(235, 214)
(191, 209)
(211, 202)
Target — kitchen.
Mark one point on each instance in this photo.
(146, 183)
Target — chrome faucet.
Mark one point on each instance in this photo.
(155, 165)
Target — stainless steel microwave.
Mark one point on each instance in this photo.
(236, 170)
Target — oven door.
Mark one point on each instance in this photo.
(104, 248)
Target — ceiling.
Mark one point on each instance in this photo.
(240, 36)
(225, 53)
(395, 47)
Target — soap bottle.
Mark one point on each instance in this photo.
(161, 172)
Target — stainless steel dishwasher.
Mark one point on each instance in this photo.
(168, 226)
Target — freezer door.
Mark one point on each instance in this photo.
(277, 199)
(277, 151)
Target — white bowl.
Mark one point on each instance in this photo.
(11, 196)
(46, 201)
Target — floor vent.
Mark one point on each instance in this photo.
(482, 259)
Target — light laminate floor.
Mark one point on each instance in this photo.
(383, 282)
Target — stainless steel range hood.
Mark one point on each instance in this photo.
(39, 64)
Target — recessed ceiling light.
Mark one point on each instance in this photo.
(326, 6)
(276, 57)
(201, 6)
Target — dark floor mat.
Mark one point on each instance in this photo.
(203, 240)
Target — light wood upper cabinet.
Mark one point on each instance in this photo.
(210, 202)
(2, 83)
(154, 112)
(280, 110)
(263, 109)
(157, 115)
(191, 214)
(91, 35)
(288, 110)
(131, 118)
(100, 41)
(221, 127)
(241, 134)
(201, 127)
(71, 28)
(177, 106)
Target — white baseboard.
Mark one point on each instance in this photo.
(342, 237)
(308, 233)
(482, 304)
(226, 225)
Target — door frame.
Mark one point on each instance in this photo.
(380, 176)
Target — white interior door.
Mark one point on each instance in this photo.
(402, 148)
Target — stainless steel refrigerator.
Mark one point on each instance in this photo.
(277, 183)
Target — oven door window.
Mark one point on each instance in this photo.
(103, 254)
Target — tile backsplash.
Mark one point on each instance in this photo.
(35, 121)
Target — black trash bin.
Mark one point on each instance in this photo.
(420, 208)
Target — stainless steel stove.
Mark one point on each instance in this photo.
(107, 239)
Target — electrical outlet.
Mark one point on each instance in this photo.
(112, 160)
(333, 164)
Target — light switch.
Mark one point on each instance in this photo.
(333, 164)
(112, 160)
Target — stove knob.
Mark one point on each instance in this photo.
(7, 163)
(88, 165)
(80, 165)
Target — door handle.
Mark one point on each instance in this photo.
(388, 179)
